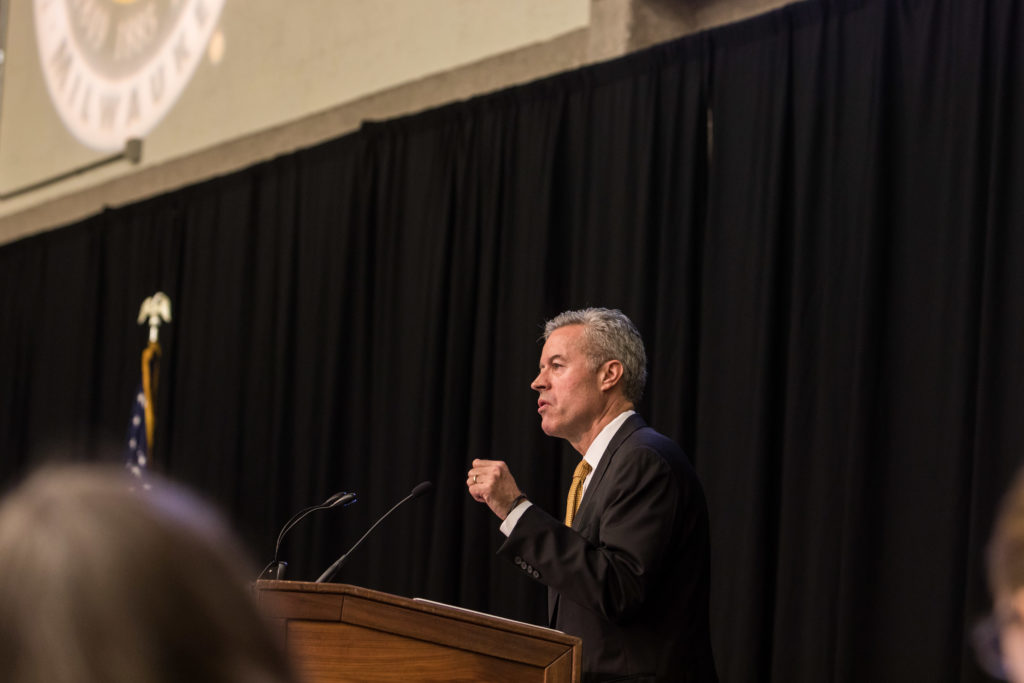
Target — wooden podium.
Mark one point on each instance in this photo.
(335, 632)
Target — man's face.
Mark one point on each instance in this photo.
(570, 400)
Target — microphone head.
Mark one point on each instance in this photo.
(339, 498)
(421, 488)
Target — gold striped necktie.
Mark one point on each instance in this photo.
(576, 491)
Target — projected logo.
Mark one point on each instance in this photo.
(115, 67)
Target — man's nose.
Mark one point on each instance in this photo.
(538, 383)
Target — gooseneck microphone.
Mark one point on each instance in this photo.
(275, 570)
(418, 491)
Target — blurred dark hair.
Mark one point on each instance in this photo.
(105, 580)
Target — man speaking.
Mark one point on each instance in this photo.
(627, 569)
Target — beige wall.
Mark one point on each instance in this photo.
(278, 62)
(278, 80)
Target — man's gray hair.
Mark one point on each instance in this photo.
(609, 335)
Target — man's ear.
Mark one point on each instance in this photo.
(609, 374)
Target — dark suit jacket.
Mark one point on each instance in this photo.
(631, 576)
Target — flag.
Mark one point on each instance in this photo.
(142, 422)
(136, 452)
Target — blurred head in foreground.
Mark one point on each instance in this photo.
(1006, 582)
(103, 580)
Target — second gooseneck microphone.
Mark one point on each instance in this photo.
(275, 570)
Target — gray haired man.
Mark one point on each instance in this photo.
(627, 567)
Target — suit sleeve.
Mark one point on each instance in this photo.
(609, 564)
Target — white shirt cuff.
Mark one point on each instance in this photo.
(513, 517)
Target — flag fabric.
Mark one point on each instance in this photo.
(142, 422)
(136, 452)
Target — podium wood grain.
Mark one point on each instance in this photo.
(337, 632)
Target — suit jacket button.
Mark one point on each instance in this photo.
(536, 574)
(518, 561)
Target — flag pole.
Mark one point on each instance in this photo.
(154, 311)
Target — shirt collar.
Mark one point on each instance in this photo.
(600, 444)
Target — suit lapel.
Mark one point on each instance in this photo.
(632, 423)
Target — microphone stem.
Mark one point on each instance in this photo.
(335, 500)
(298, 517)
(330, 571)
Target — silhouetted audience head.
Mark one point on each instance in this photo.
(1004, 633)
(102, 580)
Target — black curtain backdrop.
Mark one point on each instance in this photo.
(812, 216)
